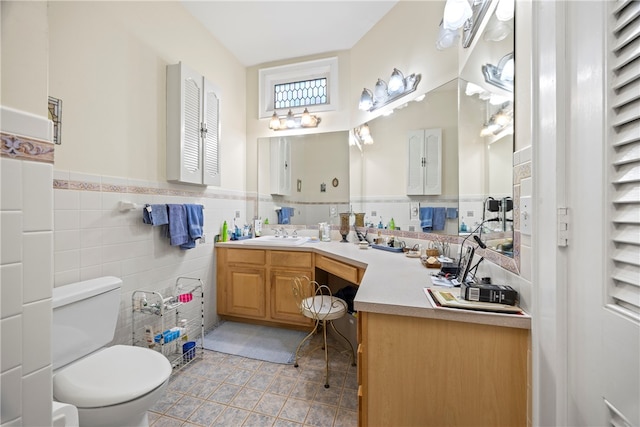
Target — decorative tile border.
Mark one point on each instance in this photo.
(23, 148)
(62, 184)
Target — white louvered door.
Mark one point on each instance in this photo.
(603, 195)
(621, 319)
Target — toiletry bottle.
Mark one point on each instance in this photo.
(183, 330)
(148, 332)
(380, 223)
(392, 224)
(223, 236)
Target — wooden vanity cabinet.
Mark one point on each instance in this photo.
(425, 372)
(241, 283)
(284, 267)
(255, 284)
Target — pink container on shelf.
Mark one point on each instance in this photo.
(185, 297)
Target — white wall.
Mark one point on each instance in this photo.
(25, 219)
(108, 64)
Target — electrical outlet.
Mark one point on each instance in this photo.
(374, 213)
(237, 214)
(470, 214)
(333, 211)
(525, 215)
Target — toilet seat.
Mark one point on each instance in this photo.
(111, 376)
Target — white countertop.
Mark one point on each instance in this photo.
(393, 283)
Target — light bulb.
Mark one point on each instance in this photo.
(396, 82)
(505, 10)
(291, 122)
(366, 100)
(274, 124)
(305, 120)
(456, 13)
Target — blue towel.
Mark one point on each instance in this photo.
(284, 215)
(155, 215)
(452, 213)
(439, 218)
(178, 228)
(195, 221)
(426, 218)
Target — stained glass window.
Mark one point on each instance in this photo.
(301, 93)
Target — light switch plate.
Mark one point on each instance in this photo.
(414, 210)
(525, 215)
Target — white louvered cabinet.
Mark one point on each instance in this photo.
(425, 162)
(280, 166)
(193, 136)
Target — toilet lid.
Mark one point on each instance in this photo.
(111, 376)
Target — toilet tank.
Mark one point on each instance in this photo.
(84, 318)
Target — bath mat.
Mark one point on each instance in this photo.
(266, 343)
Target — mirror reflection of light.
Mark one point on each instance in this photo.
(505, 10)
(456, 12)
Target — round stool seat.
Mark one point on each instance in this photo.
(323, 307)
(111, 376)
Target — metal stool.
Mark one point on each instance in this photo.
(316, 302)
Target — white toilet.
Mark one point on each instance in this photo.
(110, 386)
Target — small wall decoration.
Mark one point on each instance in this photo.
(55, 115)
(335, 182)
(323, 187)
(299, 187)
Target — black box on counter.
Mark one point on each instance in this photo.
(449, 268)
(501, 294)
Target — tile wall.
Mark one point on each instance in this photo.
(94, 237)
(26, 271)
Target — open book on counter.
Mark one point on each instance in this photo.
(450, 298)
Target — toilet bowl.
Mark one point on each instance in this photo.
(109, 386)
(116, 383)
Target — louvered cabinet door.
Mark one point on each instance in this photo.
(211, 135)
(193, 106)
(424, 162)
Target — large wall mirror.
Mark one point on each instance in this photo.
(475, 168)
(380, 171)
(486, 134)
(307, 175)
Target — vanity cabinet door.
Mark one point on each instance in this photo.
(245, 291)
(284, 306)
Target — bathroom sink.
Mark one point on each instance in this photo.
(280, 241)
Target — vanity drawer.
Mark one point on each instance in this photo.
(246, 256)
(291, 259)
(339, 268)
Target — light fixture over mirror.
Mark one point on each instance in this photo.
(294, 121)
(362, 135)
(500, 75)
(384, 93)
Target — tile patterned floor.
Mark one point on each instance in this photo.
(227, 390)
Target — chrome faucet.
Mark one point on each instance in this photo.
(284, 232)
